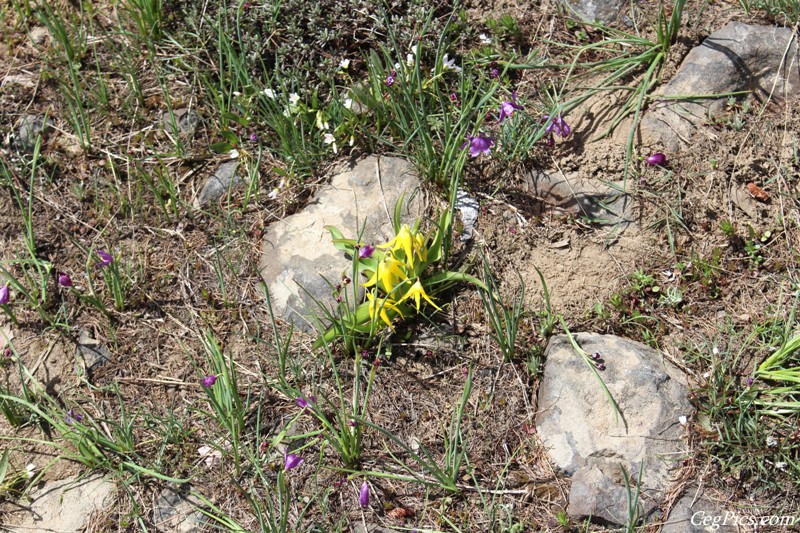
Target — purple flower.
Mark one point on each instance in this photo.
(208, 381)
(105, 258)
(73, 417)
(750, 382)
(596, 356)
(365, 251)
(494, 72)
(558, 126)
(292, 460)
(5, 295)
(507, 108)
(478, 144)
(304, 403)
(601, 367)
(64, 280)
(453, 97)
(363, 496)
(254, 137)
(390, 79)
(656, 159)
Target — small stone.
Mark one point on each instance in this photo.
(28, 130)
(177, 511)
(90, 353)
(38, 35)
(591, 11)
(224, 180)
(186, 121)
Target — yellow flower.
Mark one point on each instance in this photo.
(416, 291)
(388, 273)
(409, 241)
(379, 306)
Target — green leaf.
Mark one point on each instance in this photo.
(236, 118)
(220, 148)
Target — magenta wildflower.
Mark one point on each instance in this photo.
(105, 258)
(507, 108)
(453, 97)
(254, 137)
(305, 403)
(365, 252)
(64, 280)
(750, 382)
(478, 144)
(208, 381)
(363, 496)
(291, 460)
(73, 416)
(390, 79)
(494, 72)
(558, 126)
(656, 159)
(5, 295)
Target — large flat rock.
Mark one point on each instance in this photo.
(577, 424)
(298, 254)
(738, 57)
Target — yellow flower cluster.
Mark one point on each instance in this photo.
(398, 273)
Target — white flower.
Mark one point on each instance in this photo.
(344, 63)
(415, 49)
(237, 93)
(330, 139)
(269, 93)
(715, 350)
(30, 470)
(780, 465)
(771, 443)
(233, 154)
(352, 140)
(410, 60)
(682, 419)
(294, 98)
(287, 113)
(209, 455)
(397, 66)
(272, 195)
(484, 39)
(450, 64)
(348, 103)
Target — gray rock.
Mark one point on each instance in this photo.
(603, 496)
(63, 506)
(739, 57)
(298, 255)
(225, 179)
(587, 199)
(695, 513)
(605, 11)
(577, 424)
(28, 130)
(186, 120)
(375, 528)
(176, 512)
(90, 354)
(38, 34)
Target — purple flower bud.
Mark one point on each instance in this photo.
(363, 496)
(750, 382)
(64, 280)
(291, 460)
(656, 159)
(105, 258)
(596, 356)
(453, 97)
(346, 280)
(305, 403)
(365, 252)
(208, 381)
(5, 295)
(390, 79)
(254, 137)
(601, 367)
(73, 417)
(351, 423)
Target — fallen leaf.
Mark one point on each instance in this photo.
(757, 192)
(401, 513)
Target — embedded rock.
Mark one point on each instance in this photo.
(225, 179)
(61, 506)
(586, 199)
(30, 126)
(605, 11)
(185, 120)
(586, 441)
(90, 354)
(739, 57)
(695, 513)
(177, 511)
(299, 260)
